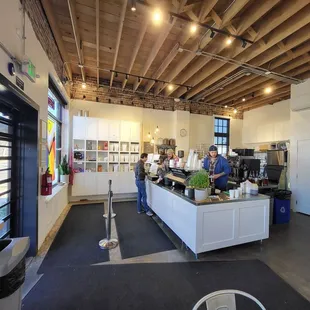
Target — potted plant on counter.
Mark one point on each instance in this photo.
(64, 170)
(200, 181)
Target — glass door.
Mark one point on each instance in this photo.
(6, 175)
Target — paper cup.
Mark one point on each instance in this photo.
(236, 193)
(240, 191)
(231, 193)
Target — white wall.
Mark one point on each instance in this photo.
(10, 36)
(267, 124)
(300, 130)
(200, 128)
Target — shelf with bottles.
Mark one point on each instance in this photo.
(103, 145)
(90, 167)
(124, 158)
(113, 157)
(102, 167)
(134, 158)
(114, 146)
(91, 156)
(134, 147)
(113, 167)
(91, 145)
(124, 167)
(124, 147)
(78, 145)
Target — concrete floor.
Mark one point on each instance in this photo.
(287, 252)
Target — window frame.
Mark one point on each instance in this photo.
(58, 121)
(218, 134)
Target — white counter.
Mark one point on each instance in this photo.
(214, 225)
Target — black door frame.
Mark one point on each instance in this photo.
(27, 159)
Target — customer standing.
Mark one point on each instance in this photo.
(140, 175)
(218, 168)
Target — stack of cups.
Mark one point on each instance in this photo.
(235, 193)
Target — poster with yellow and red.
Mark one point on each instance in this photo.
(51, 143)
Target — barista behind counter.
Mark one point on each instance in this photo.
(163, 168)
(218, 167)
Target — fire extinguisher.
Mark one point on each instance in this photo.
(46, 183)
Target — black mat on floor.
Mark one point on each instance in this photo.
(76, 243)
(160, 286)
(138, 234)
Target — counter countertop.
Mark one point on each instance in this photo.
(221, 198)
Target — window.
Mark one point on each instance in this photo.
(221, 134)
(54, 134)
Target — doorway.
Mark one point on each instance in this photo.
(18, 164)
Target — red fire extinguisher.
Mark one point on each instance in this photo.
(46, 183)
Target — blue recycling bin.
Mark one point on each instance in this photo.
(282, 207)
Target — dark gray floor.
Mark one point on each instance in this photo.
(287, 252)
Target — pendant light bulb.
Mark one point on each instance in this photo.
(157, 129)
(157, 17)
(235, 111)
(228, 41)
(153, 141)
(83, 85)
(193, 28)
(149, 135)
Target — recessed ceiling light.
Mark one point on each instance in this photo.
(83, 85)
(268, 90)
(157, 17)
(170, 87)
(193, 28)
(228, 41)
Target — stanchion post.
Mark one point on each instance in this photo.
(110, 195)
(108, 243)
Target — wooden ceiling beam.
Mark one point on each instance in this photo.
(77, 38)
(258, 86)
(118, 39)
(293, 24)
(233, 11)
(158, 44)
(270, 101)
(235, 87)
(136, 49)
(57, 35)
(97, 40)
(206, 7)
(187, 57)
(263, 97)
(192, 75)
(285, 50)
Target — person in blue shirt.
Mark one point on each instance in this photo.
(218, 168)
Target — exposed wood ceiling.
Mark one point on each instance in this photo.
(106, 34)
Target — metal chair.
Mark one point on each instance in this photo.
(224, 300)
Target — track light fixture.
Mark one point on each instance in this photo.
(139, 79)
(126, 77)
(212, 34)
(116, 74)
(133, 5)
(171, 19)
(244, 43)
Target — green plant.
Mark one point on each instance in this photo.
(63, 168)
(200, 180)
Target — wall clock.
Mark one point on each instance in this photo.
(183, 132)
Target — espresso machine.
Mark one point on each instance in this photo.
(242, 166)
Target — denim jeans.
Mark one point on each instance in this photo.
(142, 196)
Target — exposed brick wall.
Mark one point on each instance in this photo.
(44, 34)
(126, 97)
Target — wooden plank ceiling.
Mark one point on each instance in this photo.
(107, 34)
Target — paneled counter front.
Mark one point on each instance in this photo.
(214, 223)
